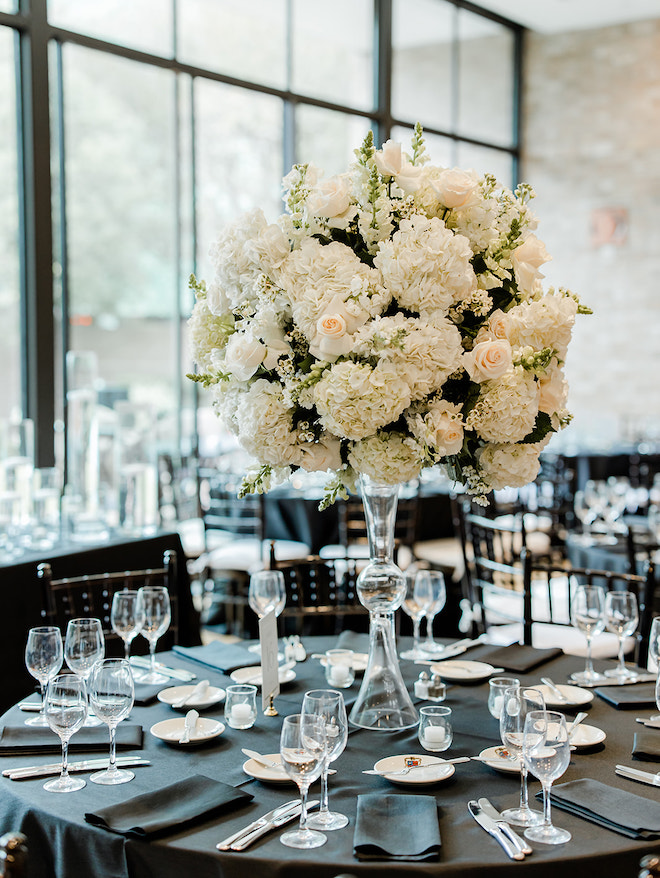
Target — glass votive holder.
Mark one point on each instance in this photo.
(339, 670)
(435, 732)
(497, 688)
(241, 706)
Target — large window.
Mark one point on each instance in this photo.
(167, 118)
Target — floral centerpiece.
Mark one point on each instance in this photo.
(392, 319)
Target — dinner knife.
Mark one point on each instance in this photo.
(649, 723)
(54, 768)
(648, 777)
(494, 830)
(174, 673)
(640, 678)
(554, 689)
(226, 843)
(491, 811)
(273, 823)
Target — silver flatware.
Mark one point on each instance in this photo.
(270, 763)
(554, 689)
(576, 722)
(494, 830)
(54, 768)
(273, 823)
(226, 843)
(649, 723)
(32, 706)
(409, 768)
(189, 726)
(175, 673)
(631, 773)
(640, 678)
(490, 810)
(196, 694)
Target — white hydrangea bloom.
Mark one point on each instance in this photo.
(545, 323)
(509, 466)
(507, 407)
(389, 457)
(264, 423)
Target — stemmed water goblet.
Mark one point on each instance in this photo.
(588, 616)
(621, 618)
(329, 705)
(266, 594)
(66, 709)
(43, 659)
(546, 753)
(83, 647)
(435, 581)
(517, 703)
(111, 696)
(303, 752)
(415, 604)
(154, 609)
(126, 617)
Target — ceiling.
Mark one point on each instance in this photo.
(552, 16)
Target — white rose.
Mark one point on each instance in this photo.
(554, 390)
(488, 360)
(330, 198)
(389, 159)
(441, 427)
(527, 258)
(243, 356)
(320, 456)
(334, 328)
(455, 187)
(498, 324)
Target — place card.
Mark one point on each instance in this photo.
(270, 678)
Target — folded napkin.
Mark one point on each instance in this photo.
(646, 745)
(633, 695)
(623, 812)
(515, 657)
(396, 827)
(22, 740)
(145, 693)
(224, 657)
(183, 802)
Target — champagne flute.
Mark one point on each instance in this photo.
(433, 580)
(303, 752)
(517, 703)
(154, 607)
(266, 594)
(588, 616)
(621, 617)
(546, 753)
(83, 647)
(329, 705)
(415, 604)
(43, 658)
(126, 617)
(66, 709)
(111, 695)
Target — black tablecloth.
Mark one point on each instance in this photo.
(62, 844)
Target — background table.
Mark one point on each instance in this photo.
(62, 844)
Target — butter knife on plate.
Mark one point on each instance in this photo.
(494, 830)
(246, 840)
(637, 774)
(281, 810)
(640, 678)
(53, 768)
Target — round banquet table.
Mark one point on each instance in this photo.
(61, 843)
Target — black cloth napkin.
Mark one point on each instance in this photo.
(27, 740)
(224, 657)
(630, 696)
(516, 657)
(146, 693)
(396, 827)
(170, 807)
(623, 812)
(646, 745)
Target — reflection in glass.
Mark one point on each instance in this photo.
(140, 24)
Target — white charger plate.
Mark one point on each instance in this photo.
(253, 675)
(457, 670)
(438, 770)
(170, 730)
(174, 693)
(262, 772)
(360, 660)
(586, 736)
(496, 758)
(574, 695)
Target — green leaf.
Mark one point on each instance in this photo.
(542, 427)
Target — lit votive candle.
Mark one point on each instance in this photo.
(241, 714)
(435, 734)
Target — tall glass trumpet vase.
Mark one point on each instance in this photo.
(383, 702)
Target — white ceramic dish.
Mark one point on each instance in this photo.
(262, 772)
(213, 695)
(457, 670)
(171, 730)
(586, 736)
(496, 758)
(253, 675)
(438, 770)
(360, 660)
(574, 695)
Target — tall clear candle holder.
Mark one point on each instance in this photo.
(137, 469)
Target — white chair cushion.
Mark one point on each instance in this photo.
(252, 554)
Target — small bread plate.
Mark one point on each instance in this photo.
(253, 675)
(586, 736)
(500, 759)
(573, 696)
(213, 695)
(462, 671)
(171, 731)
(360, 660)
(262, 772)
(431, 770)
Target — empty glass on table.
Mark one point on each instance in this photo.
(111, 697)
(517, 703)
(329, 705)
(156, 614)
(588, 616)
(66, 709)
(621, 618)
(266, 594)
(415, 604)
(546, 753)
(303, 752)
(43, 659)
(126, 617)
(435, 582)
(83, 647)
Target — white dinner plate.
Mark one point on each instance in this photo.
(574, 695)
(360, 660)
(253, 675)
(497, 758)
(586, 736)
(171, 730)
(212, 696)
(262, 772)
(437, 770)
(457, 670)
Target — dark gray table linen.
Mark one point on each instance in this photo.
(628, 697)
(173, 806)
(618, 810)
(146, 693)
(22, 740)
(396, 827)
(223, 657)
(646, 745)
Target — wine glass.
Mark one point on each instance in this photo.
(415, 604)
(621, 618)
(111, 695)
(153, 606)
(546, 753)
(83, 647)
(588, 616)
(266, 594)
(126, 617)
(435, 582)
(43, 658)
(329, 705)
(654, 643)
(303, 752)
(517, 703)
(66, 709)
